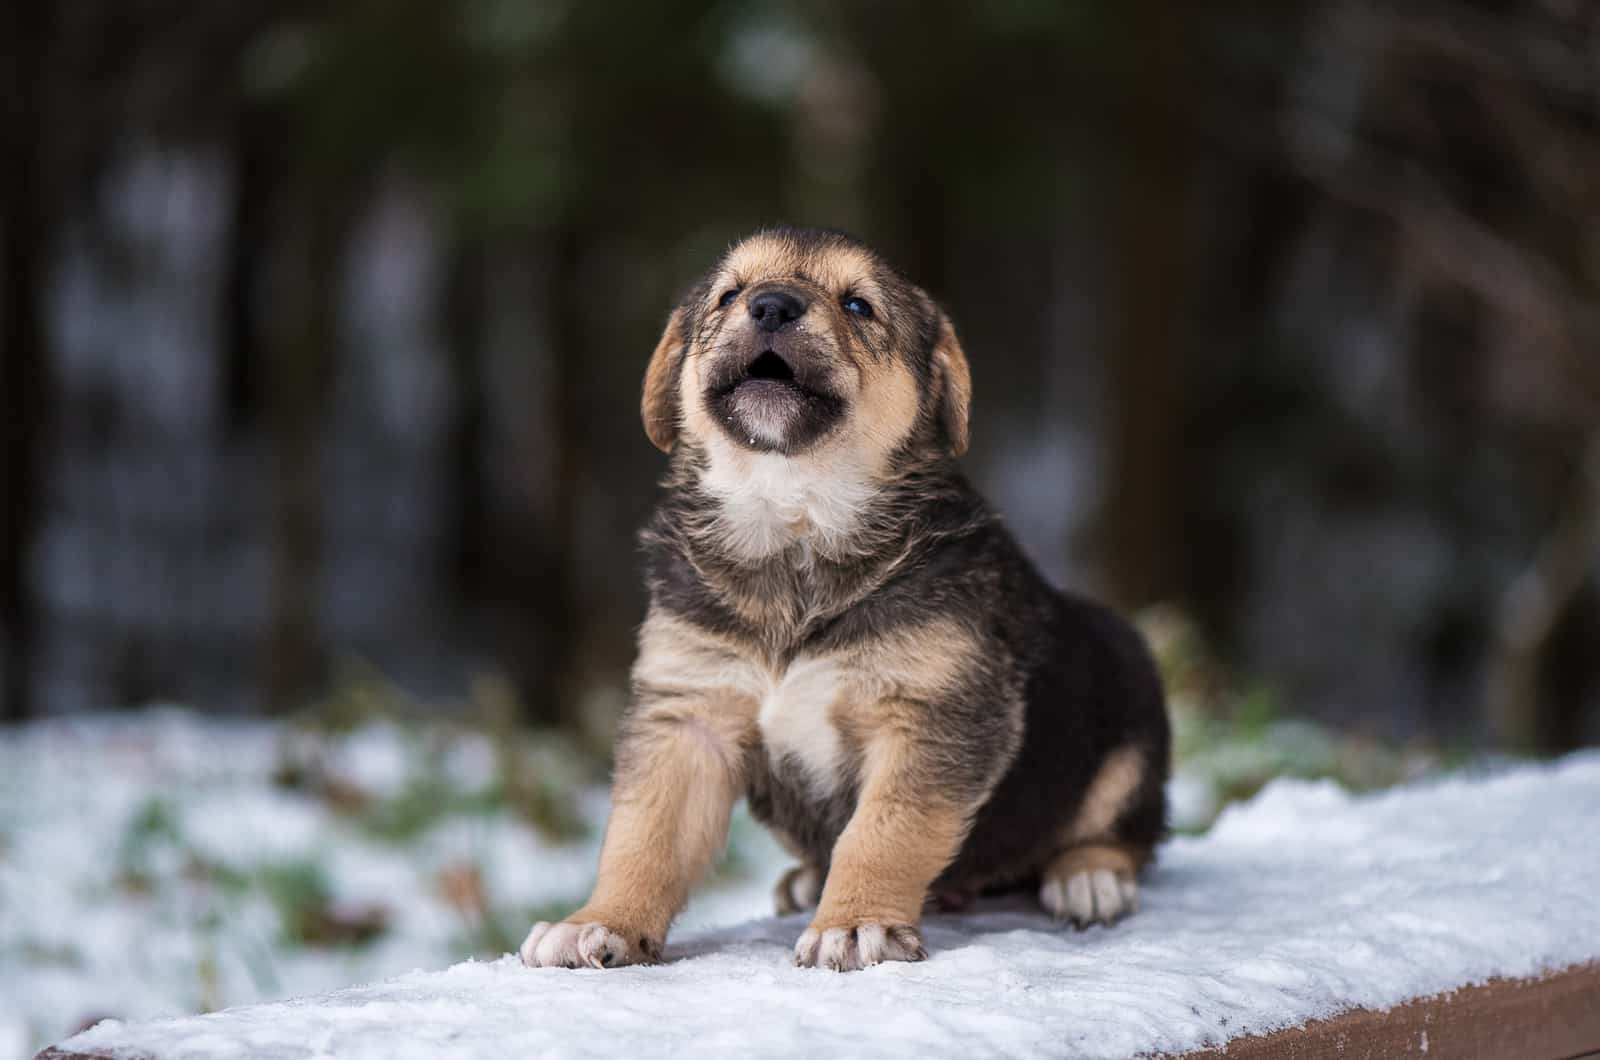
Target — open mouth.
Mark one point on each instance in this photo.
(769, 367)
(769, 380)
(771, 401)
(767, 374)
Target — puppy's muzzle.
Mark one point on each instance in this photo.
(771, 392)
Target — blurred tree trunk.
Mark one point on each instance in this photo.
(1530, 612)
(1142, 522)
(463, 314)
(247, 233)
(557, 610)
(299, 370)
(24, 361)
(1268, 209)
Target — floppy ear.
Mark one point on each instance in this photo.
(953, 383)
(659, 406)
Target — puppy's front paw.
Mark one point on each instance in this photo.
(853, 946)
(570, 944)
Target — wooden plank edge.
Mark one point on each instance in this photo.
(1552, 1017)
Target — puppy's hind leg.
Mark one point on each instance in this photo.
(798, 889)
(1093, 879)
(1091, 884)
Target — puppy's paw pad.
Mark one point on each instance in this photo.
(798, 889)
(589, 945)
(1091, 896)
(847, 949)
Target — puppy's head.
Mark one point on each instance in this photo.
(803, 342)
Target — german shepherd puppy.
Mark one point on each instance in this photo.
(841, 631)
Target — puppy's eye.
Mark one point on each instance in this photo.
(858, 306)
(727, 298)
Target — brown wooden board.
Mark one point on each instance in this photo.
(1555, 1017)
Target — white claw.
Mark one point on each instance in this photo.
(1080, 898)
(1107, 898)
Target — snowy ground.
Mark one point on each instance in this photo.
(160, 863)
(1299, 903)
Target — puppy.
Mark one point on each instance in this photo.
(843, 633)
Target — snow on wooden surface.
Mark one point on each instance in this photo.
(1301, 904)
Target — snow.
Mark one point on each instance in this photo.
(78, 943)
(1305, 901)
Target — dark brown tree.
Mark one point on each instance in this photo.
(25, 216)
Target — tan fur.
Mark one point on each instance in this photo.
(677, 657)
(955, 381)
(1108, 795)
(887, 408)
(695, 420)
(1091, 857)
(670, 805)
(680, 658)
(657, 407)
(755, 259)
(892, 675)
(761, 258)
(899, 839)
(680, 769)
(908, 665)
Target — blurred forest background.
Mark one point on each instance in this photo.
(323, 327)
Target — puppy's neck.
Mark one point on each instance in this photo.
(812, 506)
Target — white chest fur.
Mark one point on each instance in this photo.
(769, 502)
(797, 721)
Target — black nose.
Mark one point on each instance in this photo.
(771, 310)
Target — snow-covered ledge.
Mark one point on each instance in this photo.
(1303, 905)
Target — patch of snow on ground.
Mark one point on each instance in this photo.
(79, 941)
(1301, 903)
